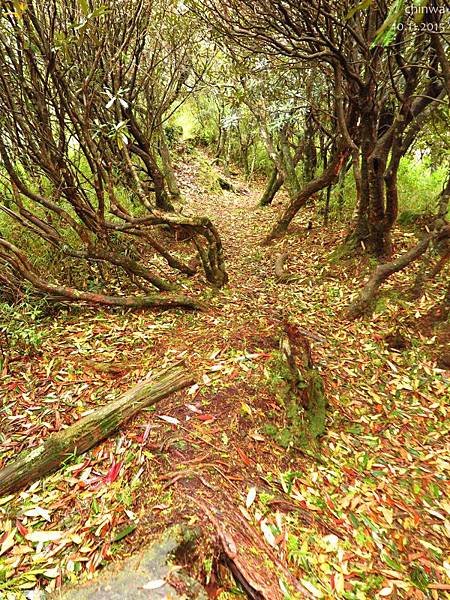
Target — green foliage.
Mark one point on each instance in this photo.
(419, 185)
(383, 301)
(186, 121)
(174, 134)
(408, 217)
(200, 120)
(387, 32)
(419, 578)
(20, 326)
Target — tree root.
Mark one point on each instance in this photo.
(257, 572)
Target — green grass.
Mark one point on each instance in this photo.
(419, 185)
(186, 119)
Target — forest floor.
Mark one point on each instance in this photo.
(365, 515)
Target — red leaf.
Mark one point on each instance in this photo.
(245, 459)
(206, 418)
(21, 528)
(113, 472)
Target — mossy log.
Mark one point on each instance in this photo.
(88, 431)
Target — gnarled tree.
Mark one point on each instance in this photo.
(381, 90)
(77, 149)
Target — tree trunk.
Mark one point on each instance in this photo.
(328, 177)
(443, 200)
(164, 152)
(221, 143)
(361, 168)
(142, 149)
(365, 300)
(380, 224)
(273, 186)
(304, 395)
(291, 182)
(310, 159)
(361, 226)
(161, 198)
(90, 430)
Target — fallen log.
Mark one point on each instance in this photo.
(88, 431)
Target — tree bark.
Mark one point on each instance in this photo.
(328, 176)
(304, 390)
(310, 158)
(90, 430)
(17, 260)
(443, 200)
(292, 183)
(273, 186)
(143, 150)
(164, 152)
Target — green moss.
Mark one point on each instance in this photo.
(208, 176)
(384, 299)
(302, 427)
(408, 217)
(317, 410)
(341, 252)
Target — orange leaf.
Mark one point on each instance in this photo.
(245, 459)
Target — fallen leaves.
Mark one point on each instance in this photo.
(379, 497)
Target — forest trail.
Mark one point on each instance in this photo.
(369, 516)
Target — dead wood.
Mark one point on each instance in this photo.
(88, 431)
(253, 563)
(304, 395)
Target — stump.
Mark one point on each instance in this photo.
(301, 391)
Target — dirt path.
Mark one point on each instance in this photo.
(369, 519)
